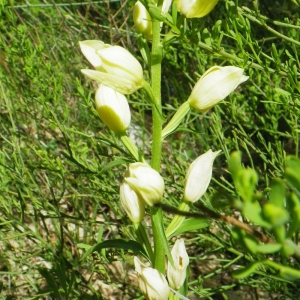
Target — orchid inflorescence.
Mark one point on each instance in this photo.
(119, 73)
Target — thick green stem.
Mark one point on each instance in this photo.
(156, 88)
(156, 214)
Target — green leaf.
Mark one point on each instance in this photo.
(155, 12)
(277, 194)
(289, 273)
(288, 249)
(112, 164)
(292, 171)
(245, 240)
(234, 164)
(275, 215)
(190, 225)
(247, 271)
(158, 229)
(84, 246)
(246, 182)
(294, 208)
(252, 211)
(176, 119)
(144, 49)
(268, 248)
(280, 233)
(293, 162)
(50, 282)
(134, 246)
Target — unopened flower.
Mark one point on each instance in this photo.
(142, 20)
(115, 66)
(176, 275)
(146, 182)
(132, 204)
(152, 283)
(113, 109)
(166, 6)
(215, 85)
(195, 8)
(199, 176)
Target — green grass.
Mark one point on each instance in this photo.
(55, 188)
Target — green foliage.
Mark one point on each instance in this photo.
(60, 167)
(275, 217)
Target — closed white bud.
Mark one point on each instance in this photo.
(198, 176)
(115, 66)
(142, 20)
(195, 8)
(215, 85)
(146, 182)
(176, 275)
(132, 204)
(113, 109)
(152, 283)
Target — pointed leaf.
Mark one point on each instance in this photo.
(268, 248)
(134, 246)
(247, 271)
(277, 194)
(189, 225)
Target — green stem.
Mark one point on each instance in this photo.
(156, 88)
(172, 297)
(178, 219)
(156, 213)
(143, 239)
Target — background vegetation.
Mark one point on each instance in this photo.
(57, 188)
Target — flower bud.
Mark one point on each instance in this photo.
(115, 66)
(198, 176)
(165, 7)
(113, 109)
(132, 204)
(152, 283)
(195, 8)
(214, 85)
(142, 20)
(176, 275)
(146, 182)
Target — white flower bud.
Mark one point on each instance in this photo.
(115, 66)
(199, 176)
(152, 283)
(215, 85)
(195, 8)
(176, 275)
(113, 109)
(133, 206)
(142, 20)
(146, 182)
